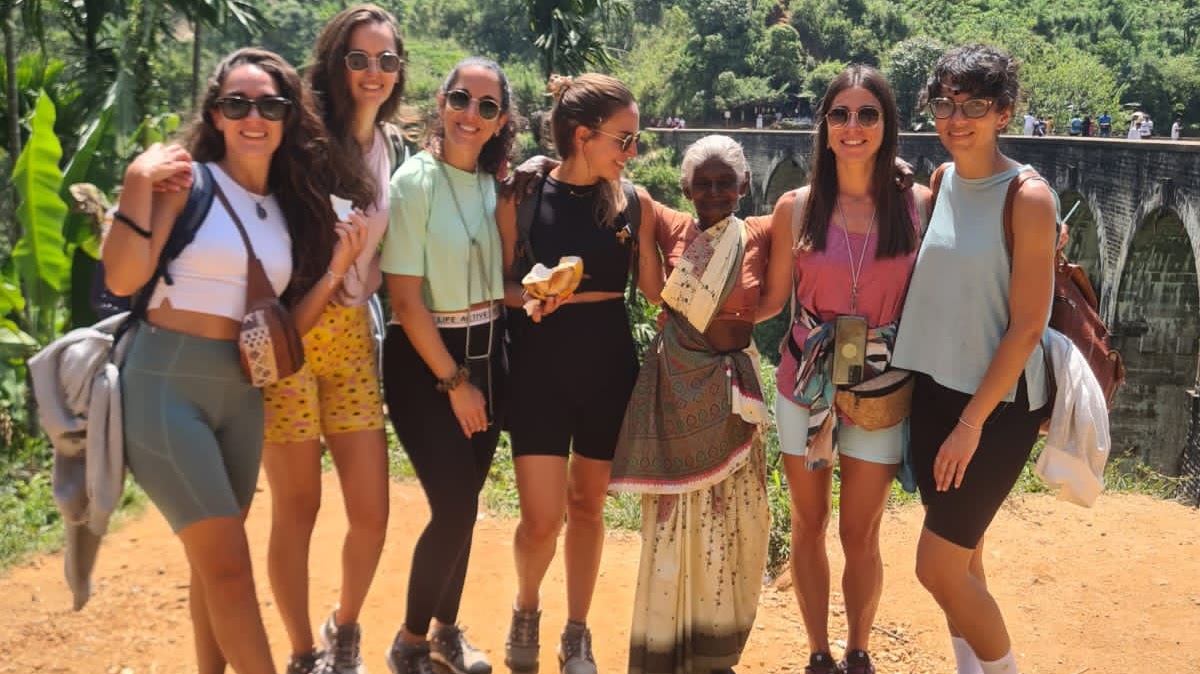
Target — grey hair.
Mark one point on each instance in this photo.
(716, 146)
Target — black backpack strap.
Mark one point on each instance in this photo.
(195, 210)
(397, 150)
(527, 208)
(633, 220)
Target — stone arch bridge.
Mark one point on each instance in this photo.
(1136, 230)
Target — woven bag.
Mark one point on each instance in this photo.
(878, 403)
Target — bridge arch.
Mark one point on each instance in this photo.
(1157, 325)
(786, 174)
(1083, 244)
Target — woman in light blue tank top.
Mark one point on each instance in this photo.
(973, 320)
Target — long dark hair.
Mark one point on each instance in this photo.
(327, 77)
(897, 235)
(494, 155)
(587, 101)
(301, 172)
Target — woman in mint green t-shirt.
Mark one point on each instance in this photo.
(443, 370)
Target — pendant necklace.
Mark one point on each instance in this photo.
(855, 271)
(259, 209)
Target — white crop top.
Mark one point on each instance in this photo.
(210, 274)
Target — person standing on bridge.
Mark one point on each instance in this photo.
(973, 322)
(856, 238)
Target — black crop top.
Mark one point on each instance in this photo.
(565, 224)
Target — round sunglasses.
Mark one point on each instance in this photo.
(387, 62)
(272, 108)
(625, 141)
(972, 108)
(460, 99)
(868, 116)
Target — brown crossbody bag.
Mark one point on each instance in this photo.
(269, 342)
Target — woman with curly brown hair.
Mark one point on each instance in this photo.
(357, 78)
(444, 373)
(193, 422)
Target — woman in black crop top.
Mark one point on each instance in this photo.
(573, 359)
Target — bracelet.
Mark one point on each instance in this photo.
(334, 277)
(969, 425)
(450, 383)
(128, 222)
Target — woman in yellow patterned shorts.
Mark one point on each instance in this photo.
(357, 76)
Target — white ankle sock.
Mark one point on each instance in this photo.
(964, 657)
(1005, 665)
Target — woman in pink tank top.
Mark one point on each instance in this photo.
(855, 243)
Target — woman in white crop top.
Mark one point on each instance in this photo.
(193, 422)
(357, 78)
(972, 321)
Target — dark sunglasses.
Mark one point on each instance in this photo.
(625, 141)
(272, 108)
(387, 61)
(460, 99)
(972, 108)
(868, 116)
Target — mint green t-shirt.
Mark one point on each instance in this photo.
(436, 210)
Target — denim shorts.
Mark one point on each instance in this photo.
(883, 446)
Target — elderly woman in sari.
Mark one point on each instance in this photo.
(692, 440)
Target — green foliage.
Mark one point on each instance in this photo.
(566, 34)
(40, 257)
(820, 77)
(907, 67)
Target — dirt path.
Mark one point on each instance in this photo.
(1113, 589)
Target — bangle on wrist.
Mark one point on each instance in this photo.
(969, 425)
(450, 383)
(334, 278)
(128, 222)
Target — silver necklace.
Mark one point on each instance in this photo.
(855, 271)
(259, 209)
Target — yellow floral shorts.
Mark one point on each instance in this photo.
(337, 390)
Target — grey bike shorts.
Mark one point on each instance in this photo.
(193, 425)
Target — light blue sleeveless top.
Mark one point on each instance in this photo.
(957, 306)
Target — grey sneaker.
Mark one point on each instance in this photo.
(406, 658)
(308, 663)
(448, 647)
(521, 647)
(342, 646)
(575, 650)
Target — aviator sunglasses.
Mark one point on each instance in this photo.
(625, 141)
(272, 108)
(387, 62)
(460, 99)
(972, 108)
(868, 116)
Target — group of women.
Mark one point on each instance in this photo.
(468, 351)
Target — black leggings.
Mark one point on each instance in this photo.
(962, 515)
(451, 467)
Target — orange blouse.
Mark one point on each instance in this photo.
(674, 231)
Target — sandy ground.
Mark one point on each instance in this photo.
(1113, 589)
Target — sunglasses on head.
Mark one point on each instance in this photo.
(460, 99)
(625, 141)
(388, 62)
(972, 108)
(272, 108)
(868, 116)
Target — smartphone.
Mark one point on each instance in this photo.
(341, 207)
(849, 350)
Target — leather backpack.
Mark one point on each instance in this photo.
(1075, 310)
